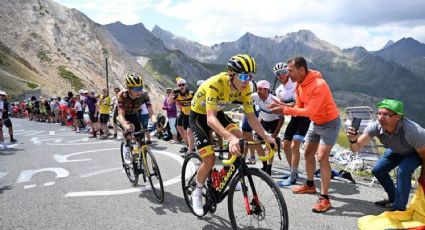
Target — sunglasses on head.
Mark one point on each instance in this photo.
(137, 89)
(245, 76)
(181, 85)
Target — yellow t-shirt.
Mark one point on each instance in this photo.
(215, 94)
(104, 105)
(184, 101)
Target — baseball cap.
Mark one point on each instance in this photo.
(3, 93)
(393, 105)
(181, 81)
(263, 84)
(198, 83)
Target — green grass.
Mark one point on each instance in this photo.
(75, 81)
(32, 85)
(43, 56)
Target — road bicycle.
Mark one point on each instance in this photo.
(138, 159)
(259, 204)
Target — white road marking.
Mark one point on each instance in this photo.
(3, 174)
(101, 172)
(30, 186)
(51, 132)
(131, 190)
(26, 175)
(33, 133)
(85, 139)
(49, 183)
(64, 158)
(89, 143)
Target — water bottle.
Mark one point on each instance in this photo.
(223, 173)
(215, 177)
(135, 153)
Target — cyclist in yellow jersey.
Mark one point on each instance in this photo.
(207, 115)
(183, 96)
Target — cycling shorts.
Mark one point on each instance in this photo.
(202, 132)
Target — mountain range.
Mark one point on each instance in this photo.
(48, 46)
(355, 74)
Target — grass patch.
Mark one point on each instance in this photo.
(75, 81)
(32, 85)
(43, 56)
(342, 139)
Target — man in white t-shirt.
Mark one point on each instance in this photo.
(2, 143)
(78, 108)
(271, 122)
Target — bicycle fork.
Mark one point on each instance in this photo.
(255, 201)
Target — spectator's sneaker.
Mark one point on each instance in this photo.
(104, 137)
(304, 189)
(322, 205)
(149, 142)
(287, 182)
(115, 136)
(385, 203)
(251, 161)
(92, 136)
(197, 202)
(183, 149)
(13, 140)
(285, 177)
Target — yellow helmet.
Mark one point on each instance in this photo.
(133, 80)
(242, 63)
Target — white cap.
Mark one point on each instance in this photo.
(92, 91)
(263, 84)
(181, 81)
(3, 93)
(85, 91)
(198, 83)
(81, 91)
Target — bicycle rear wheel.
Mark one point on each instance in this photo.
(128, 164)
(265, 200)
(190, 167)
(154, 175)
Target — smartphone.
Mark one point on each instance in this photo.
(355, 123)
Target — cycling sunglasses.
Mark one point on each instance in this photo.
(282, 73)
(137, 89)
(245, 76)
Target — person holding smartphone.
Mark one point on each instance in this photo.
(404, 141)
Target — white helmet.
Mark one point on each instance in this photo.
(198, 83)
(280, 67)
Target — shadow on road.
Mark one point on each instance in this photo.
(4, 188)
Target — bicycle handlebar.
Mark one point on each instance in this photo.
(269, 156)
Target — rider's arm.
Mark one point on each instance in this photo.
(121, 111)
(256, 125)
(172, 97)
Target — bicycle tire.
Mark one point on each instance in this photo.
(153, 173)
(265, 189)
(190, 168)
(129, 168)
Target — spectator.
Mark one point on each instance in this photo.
(405, 143)
(314, 100)
(104, 105)
(5, 115)
(171, 115)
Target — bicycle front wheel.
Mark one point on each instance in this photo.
(190, 167)
(261, 206)
(128, 164)
(154, 175)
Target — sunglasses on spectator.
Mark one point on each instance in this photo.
(181, 85)
(245, 76)
(281, 73)
(137, 89)
(385, 115)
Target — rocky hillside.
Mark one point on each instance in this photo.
(59, 49)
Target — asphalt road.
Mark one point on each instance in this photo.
(56, 179)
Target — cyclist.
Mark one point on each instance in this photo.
(128, 104)
(297, 126)
(207, 115)
(183, 96)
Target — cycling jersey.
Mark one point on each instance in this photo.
(129, 105)
(184, 99)
(216, 93)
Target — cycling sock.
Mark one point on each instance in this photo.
(269, 170)
(199, 185)
(324, 196)
(264, 168)
(310, 183)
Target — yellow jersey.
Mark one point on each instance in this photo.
(104, 104)
(216, 93)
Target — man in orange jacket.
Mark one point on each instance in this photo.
(314, 100)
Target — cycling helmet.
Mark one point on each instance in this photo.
(242, 63)
(133, 80)
(280, 67)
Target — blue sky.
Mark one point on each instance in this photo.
(345, 23)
